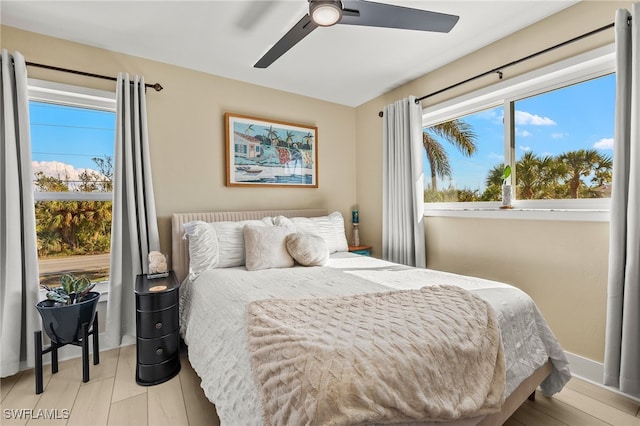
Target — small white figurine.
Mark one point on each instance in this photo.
(157, 263)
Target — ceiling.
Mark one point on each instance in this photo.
(344, 64)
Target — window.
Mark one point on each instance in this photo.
(564, 141)
(72, 142)
(553, 126)
(459, 155)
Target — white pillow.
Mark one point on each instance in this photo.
(283, 221)
(330, 228)
(203, 247)
(217, 244)
(265, 247)
(307, 249)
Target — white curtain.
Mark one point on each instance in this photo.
(403, 184)
(18, 242)
(622, 346)
(134, 229)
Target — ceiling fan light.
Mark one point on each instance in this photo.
(325, 13)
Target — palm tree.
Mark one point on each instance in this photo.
(494, 178)
(603, 173)
(289, 138)
(307, 140)
(582, 163)
(272, 135)
(536, 175)
(456, 132)
(493, 191)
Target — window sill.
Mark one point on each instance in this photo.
(575, 215)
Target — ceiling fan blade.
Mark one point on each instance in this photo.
(299, 31)
(372, 14)
(253, 12)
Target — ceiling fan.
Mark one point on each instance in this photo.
(325, 13)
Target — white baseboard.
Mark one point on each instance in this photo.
(586, 369)
(592, 372)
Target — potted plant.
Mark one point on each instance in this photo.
(68, 307)
(506, 188)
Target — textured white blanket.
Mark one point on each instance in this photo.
(214, 312)
(409, 355)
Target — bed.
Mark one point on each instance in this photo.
(215, 319)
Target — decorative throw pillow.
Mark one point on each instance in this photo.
(231, 241)
(330, 228)
(307, 249)
(217, 244)
(265, 247)
(203, 247)
(283, 221)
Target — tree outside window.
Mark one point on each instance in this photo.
(72, 152)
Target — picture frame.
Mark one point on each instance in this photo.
(270, 153)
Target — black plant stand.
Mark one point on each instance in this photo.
(83, 342)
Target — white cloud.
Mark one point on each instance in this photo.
(494, 156)
(525, 148)
(559, 135)
(488, 115)
(523, 133)
(523, 118)
(58, 169)
(604, 143)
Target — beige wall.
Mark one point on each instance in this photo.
(186, 129)
(562, 265)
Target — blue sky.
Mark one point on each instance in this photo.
(69, 135)
(571, 118)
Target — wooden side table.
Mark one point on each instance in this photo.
(361, 250)
(157, 329)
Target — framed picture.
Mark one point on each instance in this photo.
(262, 152)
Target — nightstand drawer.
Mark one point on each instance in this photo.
(156, 302)
(157, 373)
(157, 323)
(153, 351)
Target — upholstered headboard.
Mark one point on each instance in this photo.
(180, 246)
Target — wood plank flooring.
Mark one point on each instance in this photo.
(112, 397)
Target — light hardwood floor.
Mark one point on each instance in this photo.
(112, 397)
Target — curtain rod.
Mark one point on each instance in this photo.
(498, 70)
(156, 86)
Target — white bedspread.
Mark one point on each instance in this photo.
(213, 322)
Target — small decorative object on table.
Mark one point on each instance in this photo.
(158, 267)
(355, 220)
(506, 189)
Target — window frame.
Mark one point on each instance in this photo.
(73, 96)
(593, 64)
(81, 97)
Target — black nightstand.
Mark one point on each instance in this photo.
(157, 329)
